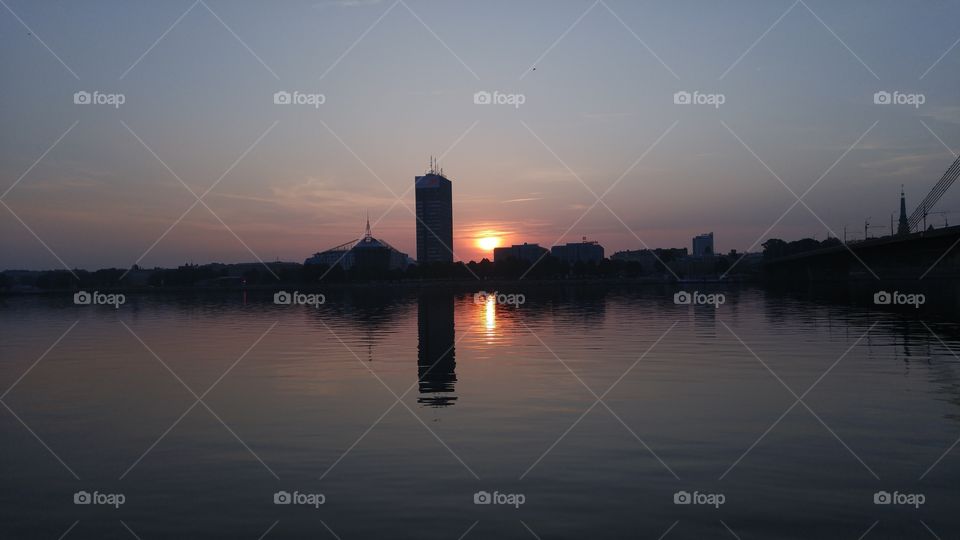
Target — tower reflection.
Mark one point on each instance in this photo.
(435, 359)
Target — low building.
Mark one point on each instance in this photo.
(574, 252)
(524, 252)
(368, 253)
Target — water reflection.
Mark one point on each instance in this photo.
(436, 364)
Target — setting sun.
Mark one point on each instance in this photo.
(487, 243)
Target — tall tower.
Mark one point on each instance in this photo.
(434, 216)
(903, 227)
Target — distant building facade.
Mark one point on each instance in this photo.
(368, 253)
(434, 216)
(575, 252)
(530, 253)
(703, 245)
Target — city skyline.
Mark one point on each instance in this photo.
(530, 150)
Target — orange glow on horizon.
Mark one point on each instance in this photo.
(488, 243)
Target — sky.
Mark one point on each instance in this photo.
(590, 143)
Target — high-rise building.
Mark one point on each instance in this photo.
(703, 245)
(434, 216)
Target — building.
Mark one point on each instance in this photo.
(703, 245)
(903, 228)
(434, 216)
(368, 253)
(574, 252)
(530, 253)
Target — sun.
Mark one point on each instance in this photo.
(487, 243)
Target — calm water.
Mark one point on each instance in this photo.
(492, 398)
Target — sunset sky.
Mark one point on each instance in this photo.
(399, 79)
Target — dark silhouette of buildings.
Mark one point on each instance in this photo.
(575, 252)
(434, 216)
(530, 253)
(436, 365)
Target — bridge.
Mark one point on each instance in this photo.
(930, 254)
(914, 252)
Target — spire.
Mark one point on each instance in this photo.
(368, 234)
(903, 227)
